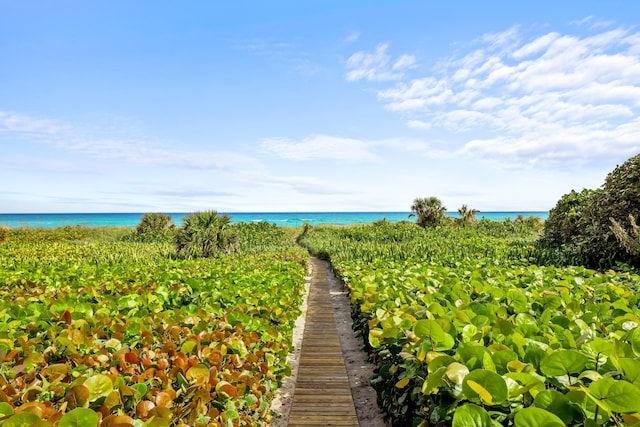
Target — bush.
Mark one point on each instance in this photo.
(153, 228)
(619, 198)
(568, 219)
(206, 234)
(4, 232)
(154, 222)
(580, 226)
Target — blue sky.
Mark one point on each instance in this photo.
(121, 106)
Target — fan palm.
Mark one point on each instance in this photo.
(467, 216)
(154, 222)
(205, 234)
(428, 211)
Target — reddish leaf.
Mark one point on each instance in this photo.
(131, 357)
(77, 396)
(165, 398)
(66, 316)
(143, 408)
(235, 360)
(117, 421)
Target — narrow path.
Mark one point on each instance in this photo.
(322, 395)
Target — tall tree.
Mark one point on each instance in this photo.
(428, 211)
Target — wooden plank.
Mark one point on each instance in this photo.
(323, 393)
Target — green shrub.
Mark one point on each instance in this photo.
(206, 234)
(153, 228)
(568, 218)
(580, 227)
(154, 222)
(619, 198)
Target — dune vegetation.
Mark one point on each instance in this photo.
(97, 329)
(469, 322)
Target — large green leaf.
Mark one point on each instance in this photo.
(5, 409)
(563, 362)
(429, 329)
(484, 386)
(79, 417)
(618, 395)
(471, 416)
(630, 369)
(536, 417)
(474, 355)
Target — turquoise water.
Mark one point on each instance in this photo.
(51, 220)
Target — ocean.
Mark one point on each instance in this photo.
(52, 220)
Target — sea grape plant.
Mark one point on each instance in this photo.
(467, 335)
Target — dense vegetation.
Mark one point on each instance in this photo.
(581, 228)
(98, 330)
(466, 330)
(470, 323)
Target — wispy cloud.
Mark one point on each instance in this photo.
(267, 46)
(352, 36)
(319, 147)
(185, 192)
(24, 125)
(378, 66)
(593, 22)
(306, 184)
(539, 100)
(43, 164)
(292, 54)
(132, 150)
(326, 147)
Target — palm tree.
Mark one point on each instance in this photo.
(467, 216)
(154, 222)
(205, 234)
(428, 211)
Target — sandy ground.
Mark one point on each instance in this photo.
(358, 368)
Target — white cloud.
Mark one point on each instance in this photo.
(318, 147)
(377, 66)
(419, 124)
(538, 100)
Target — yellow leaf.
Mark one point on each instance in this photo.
(482, 392)
(403, 382)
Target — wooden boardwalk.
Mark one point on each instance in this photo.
(322, 395)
